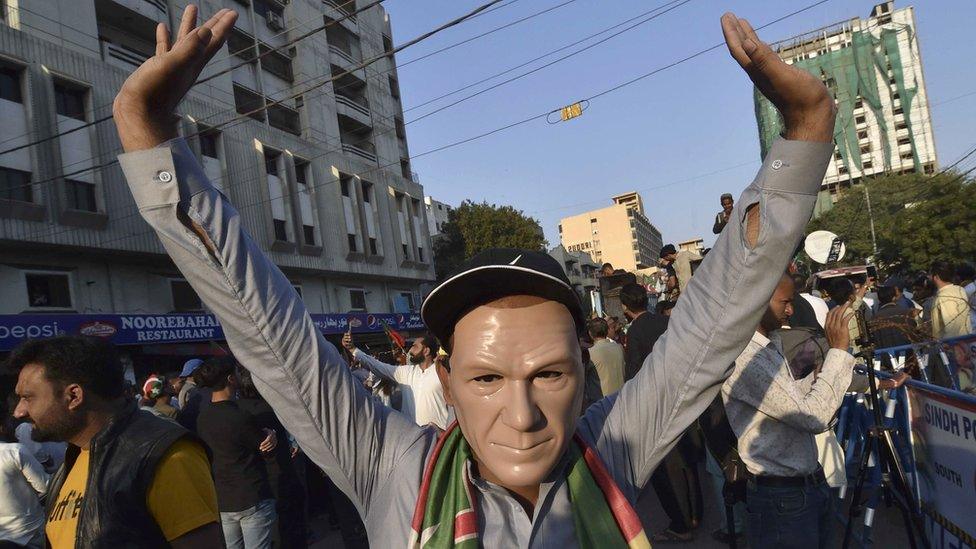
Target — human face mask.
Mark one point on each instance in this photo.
(516, 384)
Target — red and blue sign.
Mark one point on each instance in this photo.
(137, 329)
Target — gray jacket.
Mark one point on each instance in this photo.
(376, 455)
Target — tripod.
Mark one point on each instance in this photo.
(879, 443)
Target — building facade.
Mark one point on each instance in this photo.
(694, 245)
(322, 179)
(582, 273)
(619, 234)
(873, 68)
(437, 215)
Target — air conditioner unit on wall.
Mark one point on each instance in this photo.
(275, 21)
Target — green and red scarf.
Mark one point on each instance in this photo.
(445, 515)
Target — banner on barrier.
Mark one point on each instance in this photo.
(135, 329)
(944, 440)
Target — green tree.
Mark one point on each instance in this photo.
(473, 227)
(917, 219)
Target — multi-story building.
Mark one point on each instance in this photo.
(873, 68)
(619, 234)
(319, 170)
(694, 245)
(581, 271)
(437, 215)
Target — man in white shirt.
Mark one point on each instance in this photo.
(420, 388)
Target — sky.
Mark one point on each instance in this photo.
(681, 137)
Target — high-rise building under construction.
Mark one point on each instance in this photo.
(873, 68)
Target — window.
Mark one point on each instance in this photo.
(837, 156)
(372, 246)
(81, 195)
(69, 101)
(10, 84)
(866, 148)
(859, 120)
(284, 118)
(901, 125)
(401, 129)
(15, 185)
(904, 140)
(867, 165)
(357, 299)
(863, 134)
(280, 230)
(352, 242)
(907, 155)
(420, 254)
(246, 101)
(387, 44)
(271, 162)
(184, 298)
(406, 252)
(308, 232)
(208, 143)
(276, 63)
(842, 170)
(899, 110)
(367, 191)
(344, 186)
(859, 103)
(929, 169)
(241, 45)
(264, 7)
(394, 88)
(298, 289)
(48, 290)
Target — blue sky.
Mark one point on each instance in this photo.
(680, 138)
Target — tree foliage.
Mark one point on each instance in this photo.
(917, 219)
(474, 227)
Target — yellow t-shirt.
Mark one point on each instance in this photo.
(180, 499)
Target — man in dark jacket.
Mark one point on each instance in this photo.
(722, 217)
(644, 329)
(129, 479)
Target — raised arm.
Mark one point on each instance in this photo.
(716, 315)
(378, 367)
(301, 375)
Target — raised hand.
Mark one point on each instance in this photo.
(145, 107)
(836, 327)
(806, 105)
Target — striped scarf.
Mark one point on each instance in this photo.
(445, 514)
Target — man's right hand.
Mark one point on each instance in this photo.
(145, 107)
(836, 326)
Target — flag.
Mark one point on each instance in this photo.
(394, 336)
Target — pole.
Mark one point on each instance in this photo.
(874, 241)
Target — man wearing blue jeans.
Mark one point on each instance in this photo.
(244, 497)
(775, 418)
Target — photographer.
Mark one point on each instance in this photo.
(775, 417)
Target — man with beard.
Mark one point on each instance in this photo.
(520, 467)
(420, 389)
(129, 478)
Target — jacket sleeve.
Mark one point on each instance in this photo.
(713, 320)
(302, 376)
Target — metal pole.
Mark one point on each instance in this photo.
(874, 241)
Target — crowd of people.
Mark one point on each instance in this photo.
(515, 422)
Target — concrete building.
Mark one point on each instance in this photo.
(619, 234)
(322, 180)
(581, 270)
(695, 245)
(437, 214)
(873, 67)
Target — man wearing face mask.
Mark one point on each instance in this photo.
(420, 389)
(520, 467)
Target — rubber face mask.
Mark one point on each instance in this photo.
(516, 384)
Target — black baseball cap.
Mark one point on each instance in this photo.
(493, 274)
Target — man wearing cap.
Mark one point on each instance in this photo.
(189, 386)
(520, 467)
(420, 389)
(678, 265)
(722, 217)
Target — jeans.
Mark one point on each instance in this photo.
(251, 528)
(718, 483)
(784, 517)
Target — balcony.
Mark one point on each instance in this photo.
(121, 56)
(153, 9)
(339, 11)
(344, 56)
(353, 108)
(360, 152)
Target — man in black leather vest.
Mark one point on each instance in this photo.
(129, 479)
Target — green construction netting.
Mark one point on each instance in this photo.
(850, 74)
